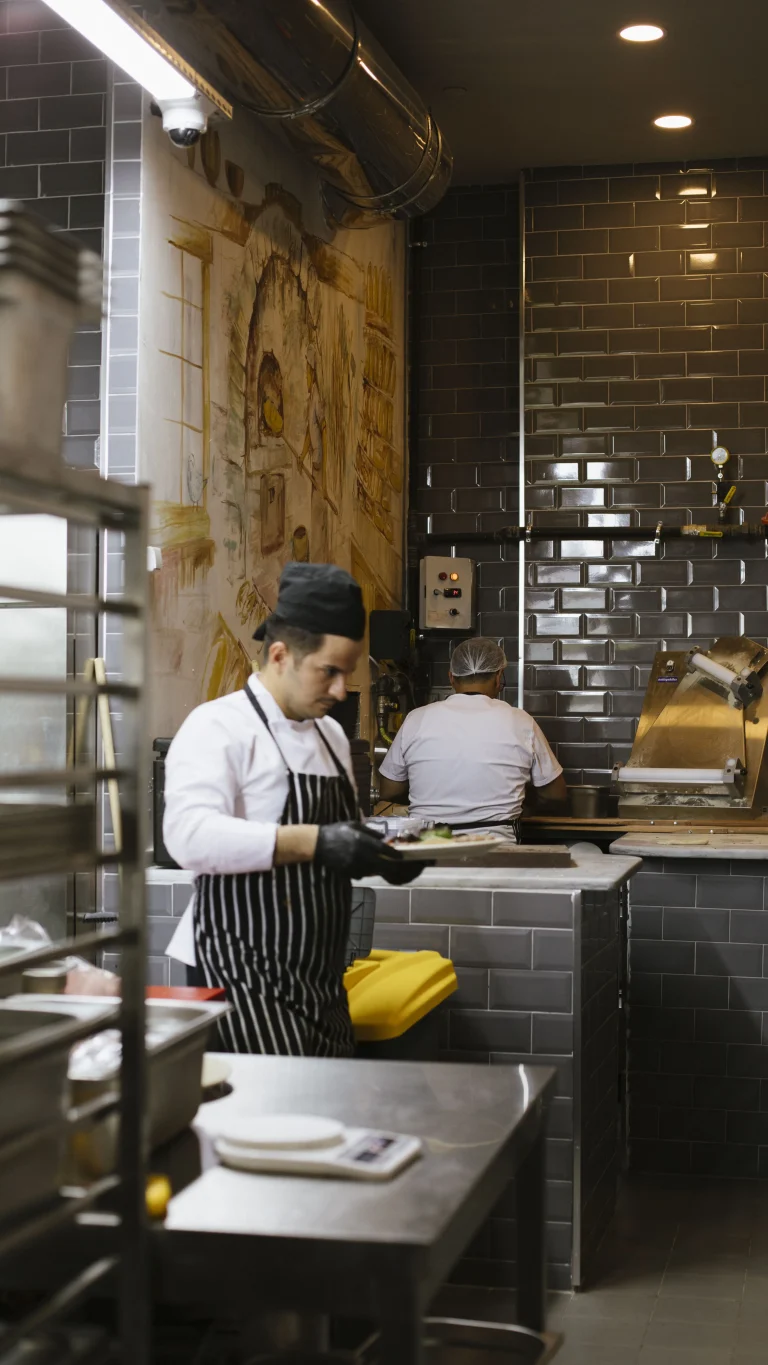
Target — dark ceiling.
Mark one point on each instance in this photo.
(549, 83)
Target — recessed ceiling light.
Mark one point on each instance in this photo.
(641, 33)
(673, 121)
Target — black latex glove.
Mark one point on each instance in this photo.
(354, 850)
(403, 871)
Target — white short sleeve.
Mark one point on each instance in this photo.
(544, 766)
(393, 765)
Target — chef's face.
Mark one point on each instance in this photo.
(312, 685)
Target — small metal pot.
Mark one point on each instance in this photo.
(48, 980)
(586, 802)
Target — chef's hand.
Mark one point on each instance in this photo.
(403, 871)
(353, 849)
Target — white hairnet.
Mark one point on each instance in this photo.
(479, 655)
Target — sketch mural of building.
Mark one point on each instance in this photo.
(271, 389)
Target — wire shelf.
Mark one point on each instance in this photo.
(25, 832)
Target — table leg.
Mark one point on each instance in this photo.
(401, 1341)
(531, 1255)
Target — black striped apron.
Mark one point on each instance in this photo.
(276, 940)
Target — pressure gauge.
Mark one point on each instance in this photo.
(720, 456)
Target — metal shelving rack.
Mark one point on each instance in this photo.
(88, 501)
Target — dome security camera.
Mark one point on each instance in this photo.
(185, 120)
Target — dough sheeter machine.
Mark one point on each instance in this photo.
(699, 750)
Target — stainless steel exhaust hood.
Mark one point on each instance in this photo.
(313, 67)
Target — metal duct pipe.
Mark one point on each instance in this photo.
(312, 66)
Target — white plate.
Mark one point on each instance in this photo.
(216, 1071)
(460, 846)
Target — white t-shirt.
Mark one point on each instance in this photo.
(468, 759)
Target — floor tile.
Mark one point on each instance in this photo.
(711, 1335)
(695, 1355)
(605, 1332)
(722, 1284)
(591, 1354)
(696, 1310)
(615, 1307)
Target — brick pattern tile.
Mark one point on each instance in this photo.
(53, 121)
(698, 996)
(646, 311)
(466, 315)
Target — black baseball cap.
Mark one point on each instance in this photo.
(320, 598)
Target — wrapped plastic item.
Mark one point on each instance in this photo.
(24, 935)
(98, 1058)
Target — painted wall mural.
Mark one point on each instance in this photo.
(271, 403)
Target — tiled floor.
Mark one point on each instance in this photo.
(684, 1281)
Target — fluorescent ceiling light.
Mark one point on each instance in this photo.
(673, 121)
(113, 36)
(642, 33)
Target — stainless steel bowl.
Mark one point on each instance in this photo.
(586, 802)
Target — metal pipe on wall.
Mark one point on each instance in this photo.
(521, 534)
(313, 67)
(521, 450)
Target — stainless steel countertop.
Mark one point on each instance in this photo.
(301, 1240)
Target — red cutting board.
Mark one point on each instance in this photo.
(185, 993)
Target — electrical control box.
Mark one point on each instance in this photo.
(446, 593)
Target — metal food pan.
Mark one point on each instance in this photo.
(174, 1075)
(33, 1084)
(34, 1096)
(31, 1170)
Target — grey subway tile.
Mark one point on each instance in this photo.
(492, 947)
(549, 992)
(490, 1030)
(553, 909)
(433, 905)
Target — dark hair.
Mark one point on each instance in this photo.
(299, 642)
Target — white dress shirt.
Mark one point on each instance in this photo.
(226, 786)
(468, 759)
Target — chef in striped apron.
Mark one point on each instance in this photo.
(260, 803)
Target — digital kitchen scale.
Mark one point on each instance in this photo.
(297, 1144)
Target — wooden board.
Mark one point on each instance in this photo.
(517, 855)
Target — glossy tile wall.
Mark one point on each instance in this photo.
(53, 87)
(465, 319)
(646, 314)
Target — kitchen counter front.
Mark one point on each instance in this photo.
(537, 954)
(698, 1004)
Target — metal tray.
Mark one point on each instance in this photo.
(174, 1079)
(49, 838)
(34, 1095)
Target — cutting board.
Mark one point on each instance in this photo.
(517, 855)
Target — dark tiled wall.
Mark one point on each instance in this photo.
(466, 300)
(646, 343)
(514, 959)
(698, 1064)
(52, 152)
(537, 978)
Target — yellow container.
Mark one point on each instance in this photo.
(390, 992)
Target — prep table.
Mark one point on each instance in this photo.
(348, 1248)
(239, 1245)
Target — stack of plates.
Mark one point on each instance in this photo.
(54, 838)
(53, 260)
